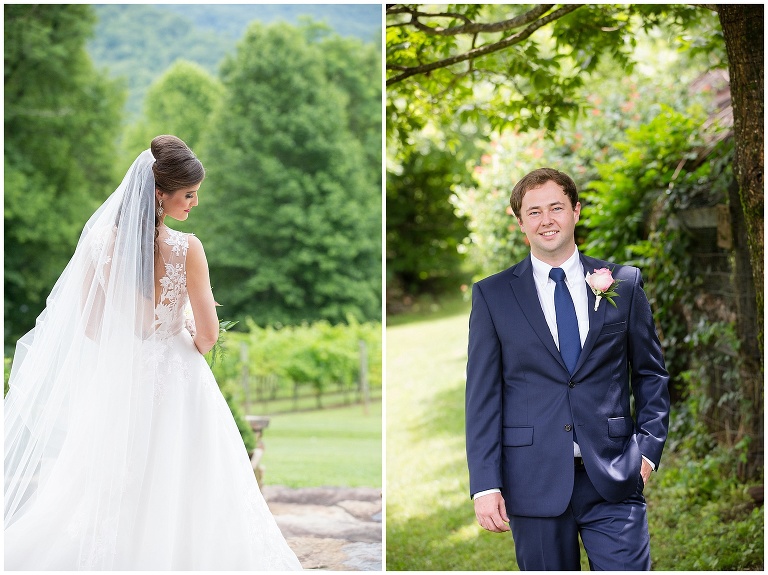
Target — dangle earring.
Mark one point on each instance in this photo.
(160, 210)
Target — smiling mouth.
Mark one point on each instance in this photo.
(549, 234)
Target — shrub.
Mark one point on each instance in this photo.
(319, 356)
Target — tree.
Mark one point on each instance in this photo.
(61, 122)
(352, 65)
(422, 231)
(744, 36)
(431, 91)
(139, 42)
(743, 33)
(296, 233)
(526, 80)
(181, 103)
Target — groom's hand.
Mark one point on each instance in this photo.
(491, 513)
(645, 471)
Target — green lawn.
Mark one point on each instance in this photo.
(430, 519)
(430, 308)
(332, 447)
(699, 516)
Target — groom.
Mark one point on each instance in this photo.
(552, 444)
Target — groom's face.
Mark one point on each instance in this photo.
(548, 220)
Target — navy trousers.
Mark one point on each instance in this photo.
(615, 535)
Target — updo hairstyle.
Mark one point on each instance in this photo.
(176, 166)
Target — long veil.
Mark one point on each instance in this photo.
(78, 412)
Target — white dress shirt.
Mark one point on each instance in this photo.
(545, 288)
(577, 286)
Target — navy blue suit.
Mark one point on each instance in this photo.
(523, 406)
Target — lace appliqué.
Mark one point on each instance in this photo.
(173, 286)
(101, 240)
(169, 316)
(99, 540)
(102, 549)
(170, 373)
(155, 356)
(179, 243)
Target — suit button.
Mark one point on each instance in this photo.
(568, 427)
(571, 384)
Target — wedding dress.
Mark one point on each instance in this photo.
(120, 450)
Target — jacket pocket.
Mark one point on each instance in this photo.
(620, 426)
(517, 436)
(614, 328)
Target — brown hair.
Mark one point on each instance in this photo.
(175, 167)
(538, 178)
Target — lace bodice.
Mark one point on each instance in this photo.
(171, 268)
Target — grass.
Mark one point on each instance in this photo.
(332, 447)
(430, 519)
(699, 516)
(429, 308)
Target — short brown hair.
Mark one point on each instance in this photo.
(538, 178)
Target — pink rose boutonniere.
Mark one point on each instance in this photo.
(603, 285)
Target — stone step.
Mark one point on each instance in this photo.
(330, 528)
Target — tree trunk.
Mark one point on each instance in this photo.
(750, 365)
(743, 33)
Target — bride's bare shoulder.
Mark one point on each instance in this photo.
(194, 243)
(195, 252)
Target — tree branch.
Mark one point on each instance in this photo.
(483, 50)
(712, 7)
(416, 13)
(475, 27)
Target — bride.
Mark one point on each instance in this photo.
(120, 451)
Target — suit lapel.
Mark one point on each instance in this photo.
(524, 288)
(596, 318)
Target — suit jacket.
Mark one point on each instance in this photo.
(523, 406)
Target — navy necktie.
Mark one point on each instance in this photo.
(567, 324)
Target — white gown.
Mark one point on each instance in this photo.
(188, 500)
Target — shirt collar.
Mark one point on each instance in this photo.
(572, 268)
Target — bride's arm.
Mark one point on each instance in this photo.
(201, 297)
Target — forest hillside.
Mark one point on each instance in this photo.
(139, 42)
